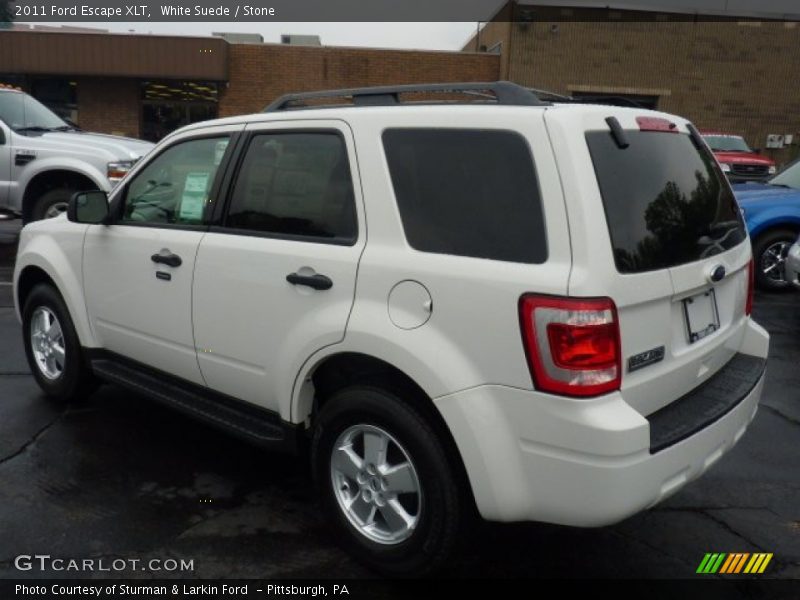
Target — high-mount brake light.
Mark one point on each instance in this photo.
(656, 124)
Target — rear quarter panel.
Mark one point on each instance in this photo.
(473, 335)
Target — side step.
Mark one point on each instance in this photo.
(249, 422)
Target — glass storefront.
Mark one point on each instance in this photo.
(168, 105)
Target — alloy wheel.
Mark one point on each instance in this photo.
(773, 261)
(376, 484)
(47, 343)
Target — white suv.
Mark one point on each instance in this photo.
(539, 310)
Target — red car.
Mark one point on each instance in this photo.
(739, 162)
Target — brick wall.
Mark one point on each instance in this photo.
(260, 73)
(736, 77)
(109, 105)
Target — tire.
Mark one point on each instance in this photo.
(62, 377)
(51, 204)
(769, 255)
(437, 509)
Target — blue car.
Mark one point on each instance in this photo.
(772, 213)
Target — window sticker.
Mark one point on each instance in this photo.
(194, 197)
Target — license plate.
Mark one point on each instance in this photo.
(702, 316)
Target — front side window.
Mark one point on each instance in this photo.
(295, 185)
(174, 188)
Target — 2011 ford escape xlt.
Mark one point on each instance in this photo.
(541, 310)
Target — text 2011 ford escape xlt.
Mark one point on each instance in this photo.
(538, 309)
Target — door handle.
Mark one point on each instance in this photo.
(171, 260)
(318, 282)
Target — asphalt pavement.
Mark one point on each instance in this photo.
(116, 476)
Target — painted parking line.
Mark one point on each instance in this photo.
(6, 283)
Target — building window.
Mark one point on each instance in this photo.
(59, 95)
(169, 105)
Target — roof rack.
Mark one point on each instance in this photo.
(502, 93)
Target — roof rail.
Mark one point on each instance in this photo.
(504, 93)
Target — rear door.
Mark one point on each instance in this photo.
(658, 230)
(274, 282)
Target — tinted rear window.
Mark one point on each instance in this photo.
(467, 192)
(665, 201)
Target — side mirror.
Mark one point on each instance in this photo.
(90, 208)
(757, 150)
(2, 137)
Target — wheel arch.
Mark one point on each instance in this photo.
(56, 270)
(768, 225)
(337, 371)
(53, 178)
(30, 277)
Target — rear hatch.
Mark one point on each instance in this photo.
(655, 226)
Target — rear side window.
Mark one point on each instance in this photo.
(665, 200)
(296, 185)
(467, 192)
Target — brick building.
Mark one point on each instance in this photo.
(146, 86)
(724, 72)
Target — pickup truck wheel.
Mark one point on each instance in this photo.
(385, 482)
(51, 204)
(52, 346)
(769, 254)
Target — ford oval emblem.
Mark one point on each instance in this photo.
(716, 274)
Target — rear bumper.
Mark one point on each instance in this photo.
(531, 456)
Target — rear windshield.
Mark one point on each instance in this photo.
(665, 201)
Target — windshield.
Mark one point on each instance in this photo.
(790, 176)
(23, 113)
(727, 143)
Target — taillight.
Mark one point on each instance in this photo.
(748, 307)
(572, 344)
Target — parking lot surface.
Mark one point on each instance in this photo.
(116, 476)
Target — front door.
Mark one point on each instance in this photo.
(276, 282)
(138, 270)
